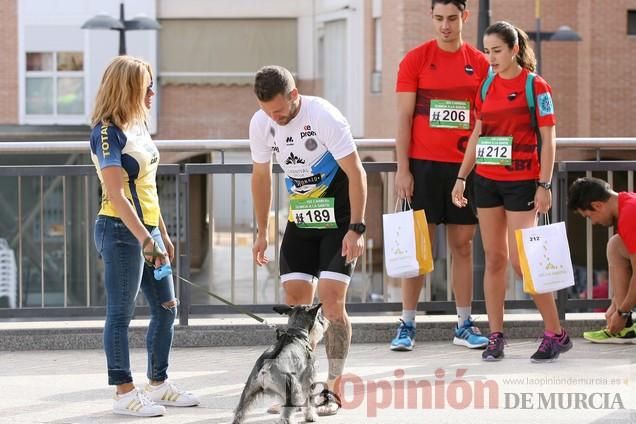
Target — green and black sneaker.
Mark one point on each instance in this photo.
(625, 336)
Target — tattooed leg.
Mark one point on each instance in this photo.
(338, 335)
(337, 343)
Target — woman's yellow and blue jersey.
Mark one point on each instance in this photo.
(136, 154)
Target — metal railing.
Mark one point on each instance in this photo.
(61, 260)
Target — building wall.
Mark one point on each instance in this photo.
(589, 78)
(9, 61)
(613, 99)
(204, 112)
(189, 111)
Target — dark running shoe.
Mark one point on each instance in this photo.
(551, 347)
(495, 349)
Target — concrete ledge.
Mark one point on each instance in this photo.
(232, 331)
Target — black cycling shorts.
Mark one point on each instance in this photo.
(514, 196)
(433, 184)
(308, 253)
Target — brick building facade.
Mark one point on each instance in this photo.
(8, 62)
(589, 77)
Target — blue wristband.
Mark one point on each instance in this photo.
(163, 271)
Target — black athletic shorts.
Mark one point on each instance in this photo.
(307, 253)
(514, 196)
(434, 182)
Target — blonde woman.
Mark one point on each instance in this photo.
(131, 237)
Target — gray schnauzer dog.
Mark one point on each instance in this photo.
(287, 369)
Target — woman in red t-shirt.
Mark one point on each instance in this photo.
(512, 181)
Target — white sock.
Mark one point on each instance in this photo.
(408, 316)
(152, 387)
(119, 396)
(463, 313)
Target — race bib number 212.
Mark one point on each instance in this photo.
(494, 151)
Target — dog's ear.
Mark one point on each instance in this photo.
(314, 309)
(283, 309)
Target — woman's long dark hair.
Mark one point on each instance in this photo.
(512, 35)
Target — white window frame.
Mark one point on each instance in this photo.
(54, 118)
(353, 14)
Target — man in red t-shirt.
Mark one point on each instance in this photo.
(436, 86)
(593, 198)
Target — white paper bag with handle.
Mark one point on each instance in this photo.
(544, 256)
(407, 246)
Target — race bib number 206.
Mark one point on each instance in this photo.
(450, 114)
(315, 213)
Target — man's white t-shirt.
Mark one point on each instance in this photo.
(307, 149)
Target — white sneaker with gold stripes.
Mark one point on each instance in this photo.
(138, 404)
(169, 394)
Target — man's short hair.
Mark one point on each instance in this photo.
(271, 81)
(460, 4)
(586, 190)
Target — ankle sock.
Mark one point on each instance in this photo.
(463, 313)
(408, 316)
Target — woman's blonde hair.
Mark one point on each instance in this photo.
(121, 94)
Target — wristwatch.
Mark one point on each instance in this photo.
(547, 186)
(624, 315)
(358, 227)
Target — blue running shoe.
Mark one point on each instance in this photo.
(405, 338)
(469, 335)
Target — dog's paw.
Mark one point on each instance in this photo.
(310, 415)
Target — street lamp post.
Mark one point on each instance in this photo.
(483, 22)
(122, 25)
(564, 33)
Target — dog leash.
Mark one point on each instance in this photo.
(227, 302)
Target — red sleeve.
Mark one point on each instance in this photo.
(484, 65)
(483, 68)
(545, 105)
(626, 221)
(628, 234)
(408, 72)
(478, 102)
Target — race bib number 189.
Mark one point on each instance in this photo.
(494, 151)
(313, 213)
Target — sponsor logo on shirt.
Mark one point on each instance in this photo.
(293, 160)
(469, 69)
(311, 144)
(546, 107)
(512, 95)
(307, 132)
(105, 144)
(289, 141)
(299, 182)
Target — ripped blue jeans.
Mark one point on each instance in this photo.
(126, 272)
